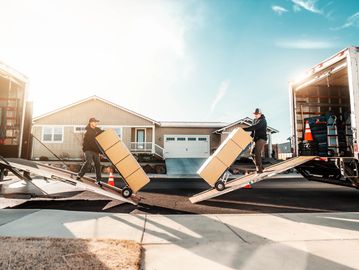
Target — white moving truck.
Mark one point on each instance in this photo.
(325, 119)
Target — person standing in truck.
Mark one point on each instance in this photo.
(259, 135)
(91, 150)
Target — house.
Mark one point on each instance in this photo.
(62, 131)
(283, 151)
(245, 122)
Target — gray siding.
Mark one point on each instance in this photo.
(71, 146)
(79, 114)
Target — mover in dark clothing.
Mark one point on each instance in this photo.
(259, 134)
(91, 150)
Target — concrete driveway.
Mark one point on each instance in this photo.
(248, 241)
(184, 166)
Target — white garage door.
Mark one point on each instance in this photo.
(186, 146)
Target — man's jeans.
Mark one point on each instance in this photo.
(86, 167)
(257, 153)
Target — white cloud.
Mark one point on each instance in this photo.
(309, 5)
(352, 21)
(304, 44)
(296, 8)
(279, 10)
(221, 92)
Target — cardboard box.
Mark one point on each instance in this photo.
(117, 152)
(240, 137)
(127, 166)
(212, 170)
(224, 156)
(228, 153)
(107, 139)
(122, 158)
(137, 180)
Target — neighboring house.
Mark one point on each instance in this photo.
(62, 132)
(245, 122)
(283, 151)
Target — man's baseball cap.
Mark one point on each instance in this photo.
(93, 119)
(257, 111)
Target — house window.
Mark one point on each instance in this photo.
(47, 134)
(118, 132)
(191, 139)
(79, 129)
(52, 134)
(170, 139)
(117, 129)
(181, 139)
(202, 139)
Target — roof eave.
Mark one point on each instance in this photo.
(95, 98)
(243, 121)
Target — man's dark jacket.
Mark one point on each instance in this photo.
(89, 139)
(259, 128)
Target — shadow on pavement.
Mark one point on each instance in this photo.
(77, 205)
(221, 249)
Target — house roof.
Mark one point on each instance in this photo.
(244, 121)
(192, 124)
(180, 124)
(12, 74)
(95, 98)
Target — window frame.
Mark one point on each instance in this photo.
(105, 127)
(79, 126)
(52, 127)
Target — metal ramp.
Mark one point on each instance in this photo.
(252, 178)
(24, 168)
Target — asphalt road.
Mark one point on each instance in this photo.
(170, 196)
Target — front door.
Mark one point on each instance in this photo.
(140, 138)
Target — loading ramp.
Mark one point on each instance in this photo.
(251, 178)
(24, 169)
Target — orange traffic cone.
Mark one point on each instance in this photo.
(111, 179)
(307, 133)
(249, 185)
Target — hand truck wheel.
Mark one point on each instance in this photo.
(219, 185)
(126, 192)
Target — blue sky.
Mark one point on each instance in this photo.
(210, 60)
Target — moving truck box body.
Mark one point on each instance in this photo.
(328, 89)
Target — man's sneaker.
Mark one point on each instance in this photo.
(78, 177)
(98, 182)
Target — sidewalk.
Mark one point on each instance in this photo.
(253, 241)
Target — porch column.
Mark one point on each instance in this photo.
(153, 139)
(270, 147)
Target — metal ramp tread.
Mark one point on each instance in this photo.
(66, 176)
(252, 178)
